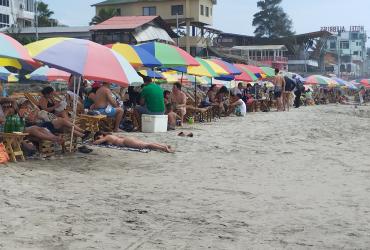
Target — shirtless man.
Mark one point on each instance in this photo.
(279, 82)
(131, 142)
(179, 100)
(107, 105)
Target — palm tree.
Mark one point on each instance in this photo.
(44, 15)
(103, 15)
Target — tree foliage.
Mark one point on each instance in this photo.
(103, 15)
(271, 21)
(44, 15)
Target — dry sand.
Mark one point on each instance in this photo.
(295, 180)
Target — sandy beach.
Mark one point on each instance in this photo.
(297, 180)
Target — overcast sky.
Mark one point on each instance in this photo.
(235, 16)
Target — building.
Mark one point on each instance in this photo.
(133, 30)
(191, 18)
(301, 53)
(56, 31)
(349, 46)
(17, 13)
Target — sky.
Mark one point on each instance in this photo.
(235, 16)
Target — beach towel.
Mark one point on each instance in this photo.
(118, 148)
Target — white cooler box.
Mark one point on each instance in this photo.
(154, 123)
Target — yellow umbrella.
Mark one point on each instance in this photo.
(4, 62)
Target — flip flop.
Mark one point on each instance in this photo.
(84, 150)
(182, 134)
(190, 135)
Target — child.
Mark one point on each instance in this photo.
(239, 105)
(172, 117)
(123, 141)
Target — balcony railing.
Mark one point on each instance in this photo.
(269, 58)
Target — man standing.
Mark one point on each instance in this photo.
(179, 100)
(107, 105)
(297, 91)
(279, 83)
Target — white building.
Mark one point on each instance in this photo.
(350, 48)
(17, 13)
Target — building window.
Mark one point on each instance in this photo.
(344, 44)
(354, 36)
(118, 11)
(202, 10)
(207, 11)
(149, 11)
(211, 9)
(4, 20)
(4, 3)
(30, 5)
(177, 10)
(355, 53)
(333, 44)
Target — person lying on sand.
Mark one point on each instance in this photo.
(130, 142)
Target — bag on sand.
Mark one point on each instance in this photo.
(4, 157)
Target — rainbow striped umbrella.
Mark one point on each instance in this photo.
(320, 80)
(228, 67)
(169, 55)
(46, 74)
(12, 49)
(246, 75)
(85, 58)
(151, 74)
(135, 55)
(254, 69)
(205, 68)
(268, 71)
(7, 76)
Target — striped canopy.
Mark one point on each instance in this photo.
(46, 74)
(135, 55)
(246, 75)
(228, 67)
(85, 58)
(12, 49)
(269, 72)
(320, 80)
(254, 69)
(169, 55)
(205, 68)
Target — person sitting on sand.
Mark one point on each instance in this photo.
(167, 97)
(172, 117)
(239, 106)
(107, 105)
(130, 142)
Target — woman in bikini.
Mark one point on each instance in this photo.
(130, 142)
(48, 103)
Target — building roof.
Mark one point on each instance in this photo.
(123, 23)
(56, 29)
(113, 2)
(261, 47)
(132, 23)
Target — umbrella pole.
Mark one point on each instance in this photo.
(196, 96)
(182, 76)
(76, 93)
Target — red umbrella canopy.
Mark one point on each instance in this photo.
(246, 75)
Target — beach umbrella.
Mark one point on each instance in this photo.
(291, 75)
(12, 49)
(320, 80)
(228, 67)
(246, 75)
(151, 74)
(169, 55)
(7, 76)
(83, 58)
(86, 59)
(46, 74)
(135, 55)
(268, 71)
(254, 69)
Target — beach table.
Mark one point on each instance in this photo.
(12, 142)
(92, 122)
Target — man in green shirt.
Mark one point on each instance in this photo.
(152, 100)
